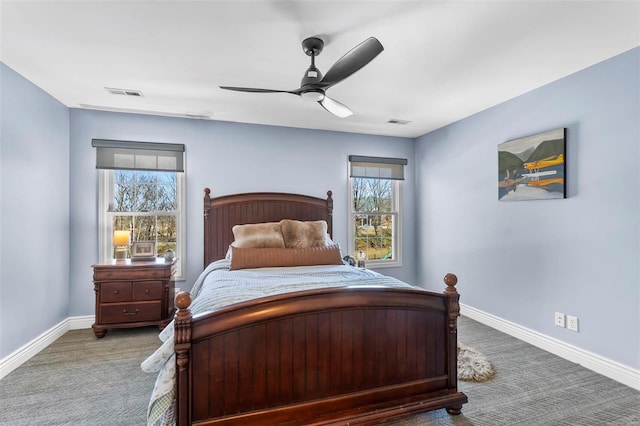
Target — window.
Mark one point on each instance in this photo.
(141, 191)
(375, 193)
(147, 204)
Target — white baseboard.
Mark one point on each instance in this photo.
(78, 323)
(27, 351)
(611, 369)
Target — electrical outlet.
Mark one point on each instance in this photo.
(572, 323)
(559, 319)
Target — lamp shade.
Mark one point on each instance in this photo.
(121, 238)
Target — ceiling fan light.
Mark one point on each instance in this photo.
(312, 95)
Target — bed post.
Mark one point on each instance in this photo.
(182, 344)
(207, 206)
(453, 312)
(330, 213)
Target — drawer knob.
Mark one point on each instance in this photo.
(130, 313)
(146, 290)
(116, 291)
(108, 274)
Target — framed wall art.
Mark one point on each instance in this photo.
(533, 168)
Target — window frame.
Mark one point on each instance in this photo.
(396, 213)
(105, 223)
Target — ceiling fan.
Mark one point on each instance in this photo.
(314, 85)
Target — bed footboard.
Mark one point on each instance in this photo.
(338, 355)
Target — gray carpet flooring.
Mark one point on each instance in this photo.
(80, 380)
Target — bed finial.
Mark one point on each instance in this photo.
(183, 300)
(450, 280)
(182, 320)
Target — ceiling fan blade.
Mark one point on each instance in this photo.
(254, 90)
(351, 62)
(334, 107)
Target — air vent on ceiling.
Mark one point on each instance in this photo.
(126, 92)
(396, 121)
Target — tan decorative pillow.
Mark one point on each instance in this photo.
(244, 258)
(258, 235)
(299, 234)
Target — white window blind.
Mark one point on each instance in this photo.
(377, 167)
(127, 155)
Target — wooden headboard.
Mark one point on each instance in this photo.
(222, 213)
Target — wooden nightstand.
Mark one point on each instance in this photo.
(133, 294)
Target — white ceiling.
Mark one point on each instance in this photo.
(443, 60)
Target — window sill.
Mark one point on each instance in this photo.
(370, 264)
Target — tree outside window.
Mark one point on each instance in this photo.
(374, 219)
(145, 203)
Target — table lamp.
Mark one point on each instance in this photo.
(121, 241)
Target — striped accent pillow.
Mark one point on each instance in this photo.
(245, 258)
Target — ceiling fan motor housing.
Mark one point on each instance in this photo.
(311, 75)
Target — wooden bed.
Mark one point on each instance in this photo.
(331, 356)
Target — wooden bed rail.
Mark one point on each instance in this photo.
(303, 381)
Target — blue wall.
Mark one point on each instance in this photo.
(523, 261)
(34, 220)
(228, 158)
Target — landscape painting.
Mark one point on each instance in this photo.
(532, 168)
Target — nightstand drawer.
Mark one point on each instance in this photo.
(115, 292)
(147, 290)
(130, 274)
(130, 312)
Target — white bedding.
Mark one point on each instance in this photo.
(217, 287)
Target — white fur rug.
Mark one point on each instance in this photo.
(472, 365)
